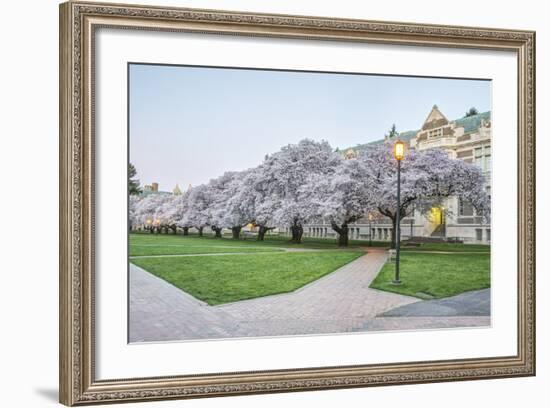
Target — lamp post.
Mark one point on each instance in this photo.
(399, 153)
(444, 223)
(370, 230)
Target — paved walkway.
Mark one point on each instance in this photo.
(162, 312)
(473, 303)
(469, 309)
(425, 322)
(339, 302)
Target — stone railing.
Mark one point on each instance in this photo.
(439, 142)
(477, 220)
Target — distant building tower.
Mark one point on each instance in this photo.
(176, 190)
(350, 154)
(190, 187)
(155, 187)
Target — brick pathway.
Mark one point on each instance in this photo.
(339, 302)
(161, 312)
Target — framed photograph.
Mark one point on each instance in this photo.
(255, 203)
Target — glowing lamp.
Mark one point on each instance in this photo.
(399, 150)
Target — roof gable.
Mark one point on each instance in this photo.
(435, 119)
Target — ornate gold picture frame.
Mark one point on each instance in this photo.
(78, 24)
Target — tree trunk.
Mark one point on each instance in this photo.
(343, 233)
(175, 229)
(185, 231)
(217, 232)
(261, 232)
(236, 231)
(151, 230)
(200, 230)
(297, 232)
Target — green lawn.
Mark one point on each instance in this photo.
(169, 244)
(142, 245)
(434, 276)
(173, 241)
(223, 279)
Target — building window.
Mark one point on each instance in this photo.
(435, 133)
(482, 158)
(478, 154)
(465, 208)
(479, 234)
(488, 235)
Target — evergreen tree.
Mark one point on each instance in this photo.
(133, 182)
(393, 132)
(471, 112)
